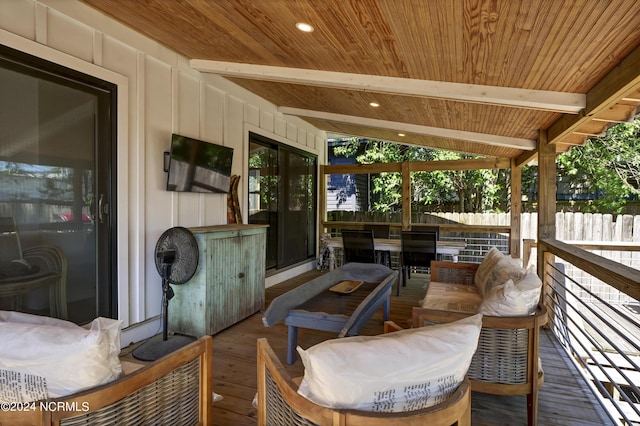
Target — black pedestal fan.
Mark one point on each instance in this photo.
(176, 257)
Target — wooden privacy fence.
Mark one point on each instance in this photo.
(569, 226)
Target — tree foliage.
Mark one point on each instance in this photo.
(605, 169)
(467, 190)
(607, 166)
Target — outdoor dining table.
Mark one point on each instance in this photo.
(451, 248)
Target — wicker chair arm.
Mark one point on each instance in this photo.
(279, 404)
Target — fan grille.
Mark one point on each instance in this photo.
(185, 245)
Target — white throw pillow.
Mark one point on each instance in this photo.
(513, 299)
(402, 371)
(507, 268)
(485, 268)
(43, 357)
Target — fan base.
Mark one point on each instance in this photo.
(156, 348)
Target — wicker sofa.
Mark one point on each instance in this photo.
(176, 389)
(506, 361)
(279, 404)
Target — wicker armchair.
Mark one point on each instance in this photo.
(51, 264)
(506, 361)
(280, 405)
(177, 389)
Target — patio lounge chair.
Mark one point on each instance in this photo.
(279, 404)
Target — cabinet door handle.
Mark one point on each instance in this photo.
(241, 275)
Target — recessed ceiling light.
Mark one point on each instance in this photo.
(401, 134)
(374, 104)
(302, 26)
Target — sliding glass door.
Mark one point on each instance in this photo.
(282, 194)
(57, 182)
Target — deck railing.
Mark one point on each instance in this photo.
(594, 313)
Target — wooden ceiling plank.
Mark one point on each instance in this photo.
(622, 81)
(482, 138)
(493, 95)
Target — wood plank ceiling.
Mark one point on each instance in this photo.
(476, 76)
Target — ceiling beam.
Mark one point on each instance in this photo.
(483, 138)
(571, 103)
(621, 82)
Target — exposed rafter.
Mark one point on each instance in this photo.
(571, 103)
(623, 82)
(525, 144)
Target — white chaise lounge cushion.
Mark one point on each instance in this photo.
(43, 357)
(402, 371)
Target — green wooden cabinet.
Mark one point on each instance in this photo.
(228, 285)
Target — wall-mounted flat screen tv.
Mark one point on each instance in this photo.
(198, 166)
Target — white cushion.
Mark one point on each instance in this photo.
(507, 268)
(47, 357)
(402, 371)
(513, 299)
(485, 268)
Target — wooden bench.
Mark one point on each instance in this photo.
(175, 389)
(312, 305)
(506, 361)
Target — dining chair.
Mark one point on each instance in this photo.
(427, 228)
(381, 231)
(418, 250)
(357, 246)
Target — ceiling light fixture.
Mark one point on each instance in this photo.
(302, 26)
(401, 134)
(374, 104)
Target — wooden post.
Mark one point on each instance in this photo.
(516, 209)
(322, 202)
(546, 201)
(406, 196)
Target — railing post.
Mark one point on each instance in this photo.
(527, 245)
(406, 196)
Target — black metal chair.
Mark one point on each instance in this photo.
(418, 250)
(357, 246)
(381, 231)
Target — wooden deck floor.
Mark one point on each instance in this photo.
(564, 399)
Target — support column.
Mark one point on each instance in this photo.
(322, 202)
(515, 237)
(406, 196)
(546, 202)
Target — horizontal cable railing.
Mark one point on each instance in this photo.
(600, 330)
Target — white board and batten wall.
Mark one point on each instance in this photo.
(159, 94)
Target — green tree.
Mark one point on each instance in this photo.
(467, 190)
(608, 166)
